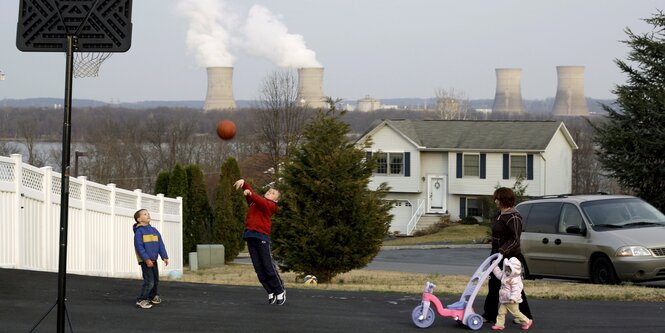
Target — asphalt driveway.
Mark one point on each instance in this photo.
(107, 305)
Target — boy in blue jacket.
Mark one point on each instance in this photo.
(148, 244)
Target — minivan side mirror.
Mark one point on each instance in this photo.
(573, 229)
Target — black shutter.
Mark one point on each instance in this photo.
(368, 155)
(482, 166)
(462, 207)
(506, 166)
(407, 164)
(459, 165)
(529, 166)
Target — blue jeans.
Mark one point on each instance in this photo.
(150, 281)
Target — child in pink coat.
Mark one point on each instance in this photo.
(510, 294)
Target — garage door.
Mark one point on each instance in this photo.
(402, 213)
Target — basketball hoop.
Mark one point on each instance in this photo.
(86, 64)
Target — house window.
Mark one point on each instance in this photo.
(390, 163)
(517, 166)
(471, 165)
(474, 207)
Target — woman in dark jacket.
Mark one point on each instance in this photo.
(506, 231)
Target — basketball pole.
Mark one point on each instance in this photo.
(64, 193)
(64, 189)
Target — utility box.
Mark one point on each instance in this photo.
(210, 255)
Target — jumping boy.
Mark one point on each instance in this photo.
(148, 244)
(257, 236)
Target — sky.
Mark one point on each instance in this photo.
(378, 48)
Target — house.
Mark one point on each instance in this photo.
(437, 167)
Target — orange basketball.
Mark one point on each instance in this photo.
(226, 129)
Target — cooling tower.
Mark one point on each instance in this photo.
(570, 100)
(220, 89)
(508, 97)
(310, 87)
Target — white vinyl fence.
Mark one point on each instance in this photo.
(100, 237)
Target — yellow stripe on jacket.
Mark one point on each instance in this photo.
(150, 238)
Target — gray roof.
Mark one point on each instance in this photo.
(478, 134)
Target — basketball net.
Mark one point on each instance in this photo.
(86, 64)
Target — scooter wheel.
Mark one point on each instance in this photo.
(428, 318)
(474, 321)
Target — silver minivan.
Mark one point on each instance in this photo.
(606, 239)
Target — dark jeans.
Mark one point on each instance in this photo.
(491, 307)
(264, 266)
(150, 281)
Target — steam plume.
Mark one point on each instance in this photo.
(266, 36)
(207, 35)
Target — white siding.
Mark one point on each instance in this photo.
(387, 140)
(493, 177)
(435, 163)
(559, 170)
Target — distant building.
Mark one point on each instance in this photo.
(368, 104)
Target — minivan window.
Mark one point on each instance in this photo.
(543, 218)
(622, 212)
(570, 216)
(524, 211)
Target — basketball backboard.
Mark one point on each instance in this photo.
(99, 25)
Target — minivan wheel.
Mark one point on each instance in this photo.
(602, 272)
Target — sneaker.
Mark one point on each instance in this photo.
(281, 298)
(497, 328)
(527, 325)
(143, 304)
(271, 298)
(156, 300)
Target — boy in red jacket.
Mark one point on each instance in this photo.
(257, 236)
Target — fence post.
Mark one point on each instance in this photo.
(48, 230)
(179, 249)
(111, 187)
(85, 241)
(18, 203)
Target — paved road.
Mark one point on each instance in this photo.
(445, 261)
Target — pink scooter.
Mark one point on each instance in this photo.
(462, 310)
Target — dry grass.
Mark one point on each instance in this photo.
(412, 283)
(449, 234)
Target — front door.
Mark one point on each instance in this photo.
(437, 189)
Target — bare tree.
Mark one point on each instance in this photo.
(8, 148)
(28, 130)
(586, 169)
(452, 105)
(281, 119)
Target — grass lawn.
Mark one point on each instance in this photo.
(453, 234)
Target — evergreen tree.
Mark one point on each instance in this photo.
(200, 212)
(178, 187)
(329, 222)
(162, 182)
(230, 210)
(632, 140)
